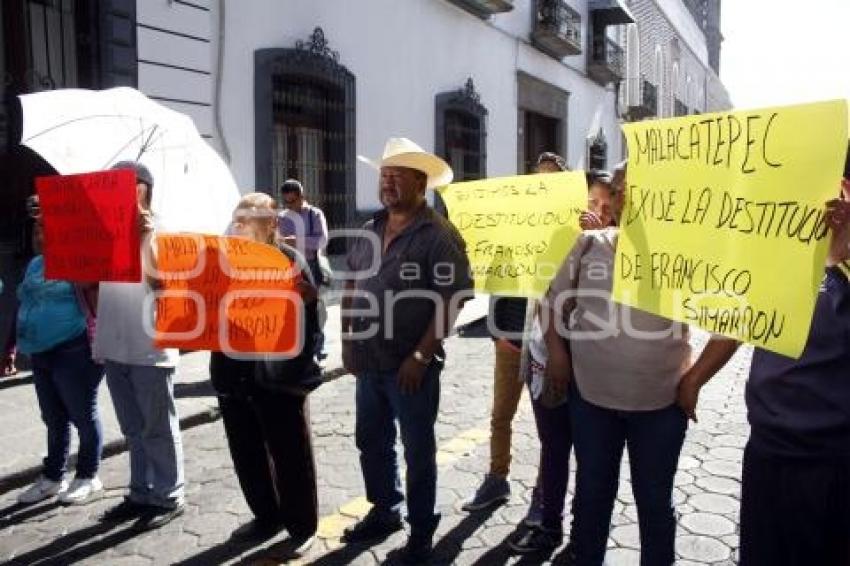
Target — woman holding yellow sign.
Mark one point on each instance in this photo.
(631, 383)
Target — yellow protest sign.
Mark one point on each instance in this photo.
(724, 223)
(517, 229)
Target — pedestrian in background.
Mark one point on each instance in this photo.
(303, 227)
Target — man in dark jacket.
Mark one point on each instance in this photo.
(795, 496)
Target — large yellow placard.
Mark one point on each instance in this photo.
(724, 222)
(517, 229)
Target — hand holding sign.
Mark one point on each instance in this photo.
(838, 220)
(227, 295)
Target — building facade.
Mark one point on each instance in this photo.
(300, 88)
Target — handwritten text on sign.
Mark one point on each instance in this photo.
(226, 295)
(724, 221)
(91, 231)
(517, 229)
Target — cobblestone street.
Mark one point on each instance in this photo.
(706, 494)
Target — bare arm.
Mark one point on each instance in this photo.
(714, 356)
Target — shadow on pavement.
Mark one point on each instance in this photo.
(72, 547)
(15, 381)
(19, 512)
(343, 555)
(502, 554)
(194, 389)
(224, 552)
(450, 544)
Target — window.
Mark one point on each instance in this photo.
(461, 135)
(659, 80)
(597, 151)
(541, 135)
(541, 121)
(46, 44)
(304, 126)
(633, 86)
(675, 91)
(52, 44)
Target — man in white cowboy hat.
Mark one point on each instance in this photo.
(413, 267)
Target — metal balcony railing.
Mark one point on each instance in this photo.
(642, 98)
(606, 60)
(557, 29)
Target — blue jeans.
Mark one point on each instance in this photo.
(143, 397)
(66, 382)
(379, 404)
(654, 439)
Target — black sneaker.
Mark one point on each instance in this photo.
(494, 490)
(417, 551)
(124, 511)
(537, 540)
(156, 517)
(372, 527)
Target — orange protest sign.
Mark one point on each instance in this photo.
(226, 295)
(91, 230)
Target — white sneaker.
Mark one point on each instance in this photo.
(42, 489)
(81, 490)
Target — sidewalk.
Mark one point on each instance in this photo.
(22, 434)
(706, 494)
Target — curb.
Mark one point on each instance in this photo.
(119, 445)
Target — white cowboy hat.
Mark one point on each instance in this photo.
(401, 152)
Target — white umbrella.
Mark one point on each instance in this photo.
(79, 131)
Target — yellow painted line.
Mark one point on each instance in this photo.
(332, 526)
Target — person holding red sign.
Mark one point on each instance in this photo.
(52, 329)
(141, 383)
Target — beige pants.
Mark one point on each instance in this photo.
(507, 390)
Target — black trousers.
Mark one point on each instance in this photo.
(269, 436)
(794, 511)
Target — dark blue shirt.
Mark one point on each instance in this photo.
(802, 407)
(425, 264)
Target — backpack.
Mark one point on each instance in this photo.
(322, 273)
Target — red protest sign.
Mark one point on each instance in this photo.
(226, 294)
(91, 228)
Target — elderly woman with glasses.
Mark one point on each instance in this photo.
(267, 423)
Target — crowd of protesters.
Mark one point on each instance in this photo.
(591, 397)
